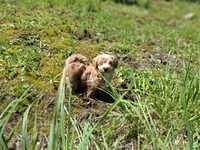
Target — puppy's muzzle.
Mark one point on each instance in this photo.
(106, 69)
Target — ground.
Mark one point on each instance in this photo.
(155, 87)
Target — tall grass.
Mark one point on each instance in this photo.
(5, 116)
(65, 132)
(25, 138)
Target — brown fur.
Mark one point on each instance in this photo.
(106, 64)
(85, 77)
(102, 65)
(75, 65)
(92, 80)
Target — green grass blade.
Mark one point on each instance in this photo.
(25, 138)
(61, 96)
(85, 138)
(34, 134)
(190, 133)
(11, 108)
(3, 142)
(58, 124)
(52, 142)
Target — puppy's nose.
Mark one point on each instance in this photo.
(105, 69)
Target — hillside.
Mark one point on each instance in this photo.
(155, 87)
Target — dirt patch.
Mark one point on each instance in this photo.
(147, 59)
(26, 38)
(85, 108)
(87, 35)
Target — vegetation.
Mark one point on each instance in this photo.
(156, 86)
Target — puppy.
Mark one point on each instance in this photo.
(106, 65)
(97, 73)
(75, 65)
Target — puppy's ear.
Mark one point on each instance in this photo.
(115, 61)
(84, 60)
(95, 62)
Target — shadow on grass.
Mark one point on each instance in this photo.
(127, 2)
(103, 96)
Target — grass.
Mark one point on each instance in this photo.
(156, 86)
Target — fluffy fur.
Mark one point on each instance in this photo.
(101, 69)
(92, 80)
(106, 65)
(85, 77)
(75, 65)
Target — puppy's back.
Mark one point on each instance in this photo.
(77, 58)
(75, 65)
(91, 79)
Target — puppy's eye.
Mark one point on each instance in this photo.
(101, 63)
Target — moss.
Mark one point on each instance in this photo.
(44, 86)
(87, 48)
(58, 45)
(50, 32)
(50, 67)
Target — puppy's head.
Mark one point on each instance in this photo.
(105, 63)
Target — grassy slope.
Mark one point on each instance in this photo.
(36, 38)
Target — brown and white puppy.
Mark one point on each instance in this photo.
(75, 65)
(106, 64)
(101, 69)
